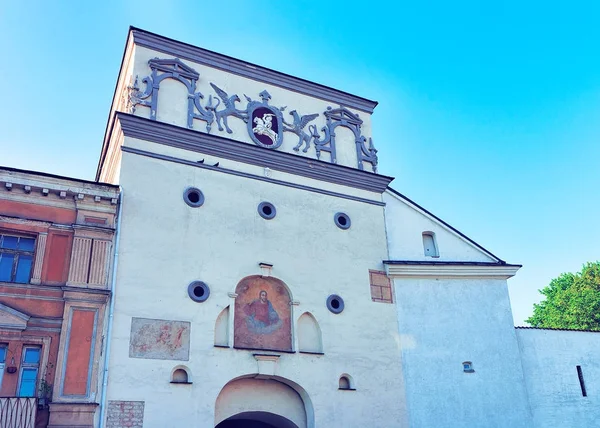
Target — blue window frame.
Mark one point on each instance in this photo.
(30, 366)
(16, 258)
(2, 361)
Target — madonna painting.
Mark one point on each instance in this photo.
(262, 315)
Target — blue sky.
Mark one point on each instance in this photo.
(489, 112)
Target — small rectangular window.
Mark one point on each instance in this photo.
(16, 258)
(581, 381)
(30, 364)
(429, 245)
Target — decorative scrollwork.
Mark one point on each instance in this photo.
(344, 117)
(265, 123)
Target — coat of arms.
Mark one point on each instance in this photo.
(265, 123)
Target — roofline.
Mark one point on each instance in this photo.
(462, 235)
(522, 327)
(60, 177)
(232, 65)
(451, 263)
(248, 69)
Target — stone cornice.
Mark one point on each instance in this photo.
(245, 69)
(182, 138)
(449, 269)
(64, 192)
(16, 220)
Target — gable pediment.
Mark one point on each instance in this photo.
(342, 114)
(12, 319)
(173, 66)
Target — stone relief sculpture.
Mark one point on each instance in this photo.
(297, 128)
(344, 117)
(170, 69)
(265, 123)
(229, 110)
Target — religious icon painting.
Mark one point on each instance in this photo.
(262, 315)
(265, 123)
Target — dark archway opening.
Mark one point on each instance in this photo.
(256, 420)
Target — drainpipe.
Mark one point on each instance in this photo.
(111, 312)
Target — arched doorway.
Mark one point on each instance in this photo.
(257, 420)
(250, 402)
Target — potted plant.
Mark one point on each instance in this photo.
(45, 395)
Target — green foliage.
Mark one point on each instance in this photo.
(572, 301)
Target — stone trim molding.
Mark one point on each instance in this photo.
(252, 71)
(418, 270)
(90, 386)
(188, 139)
(40, 250)
(251, 176)
(19, 321)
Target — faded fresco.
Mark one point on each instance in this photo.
(159, 339)
(262, 315)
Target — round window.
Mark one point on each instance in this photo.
(266, 210)
(342, 220)
(193, 197)
(198, 291)
(335, 303)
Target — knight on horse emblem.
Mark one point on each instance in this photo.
(265, 124)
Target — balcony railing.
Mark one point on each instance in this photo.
(18, 412)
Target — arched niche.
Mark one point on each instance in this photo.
(252, 402)
(309, 334)
(263, 314)
(172, 105)
(181, 374)
(346, 382)
(222, 328)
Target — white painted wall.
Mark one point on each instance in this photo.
(444, 322)
(549, 360)
(172, 107)
(165, 245)
(405, 226)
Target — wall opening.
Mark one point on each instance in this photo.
(581, 381)
(181, 374)
(346, 383)
(267, 401)
(309, 334)
(222, 329)
(430, 245)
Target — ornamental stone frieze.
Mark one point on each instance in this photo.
(266, 124)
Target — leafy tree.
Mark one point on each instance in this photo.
(572, 301)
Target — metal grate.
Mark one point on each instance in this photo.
(18, 412)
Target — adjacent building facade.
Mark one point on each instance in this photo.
(266, 274)
(56, 243)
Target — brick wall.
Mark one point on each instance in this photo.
(381, 287)
(125, 414)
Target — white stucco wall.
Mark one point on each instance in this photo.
(444, 322)
(165, 245)
(405, 226)
(550, 358)
(172, 107)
